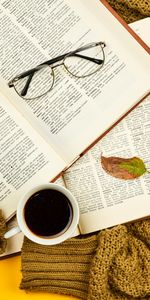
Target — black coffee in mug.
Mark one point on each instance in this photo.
(48, 213)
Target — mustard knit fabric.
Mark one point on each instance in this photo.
(63, 268)
(2, 231)
(121, 267)
(131, 10)
(113, 264)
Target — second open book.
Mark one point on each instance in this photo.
(41, 138)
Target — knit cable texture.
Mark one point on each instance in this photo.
(121, 267)
(131, 10)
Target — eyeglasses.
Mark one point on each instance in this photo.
(80, 63)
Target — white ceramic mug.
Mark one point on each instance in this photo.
(50, 240)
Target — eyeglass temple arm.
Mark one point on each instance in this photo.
(97, 61)
(74, 53)
(25, 89)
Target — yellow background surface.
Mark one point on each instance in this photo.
(10, 278)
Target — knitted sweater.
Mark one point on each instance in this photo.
(112, 264)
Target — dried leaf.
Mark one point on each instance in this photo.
(123, 168)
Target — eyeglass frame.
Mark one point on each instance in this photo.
(52, 61)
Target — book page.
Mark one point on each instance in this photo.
(104, 200)
(142, 28)
(77, 111)
(26, 159)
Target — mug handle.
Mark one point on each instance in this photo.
(13, 231)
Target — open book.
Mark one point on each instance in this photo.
(40, 138)
(106, 201)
